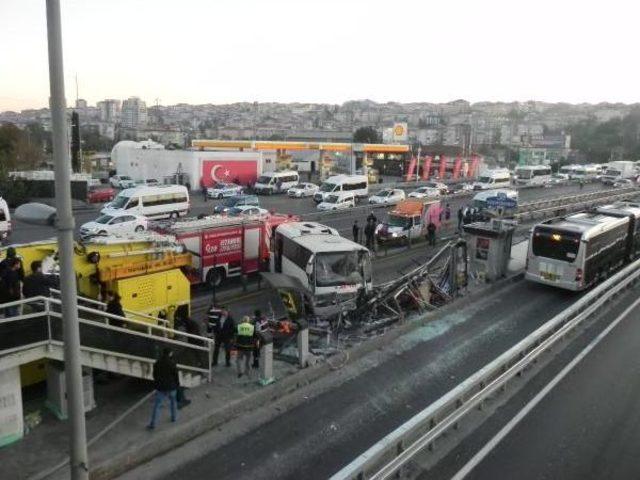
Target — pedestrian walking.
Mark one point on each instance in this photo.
(10, 285)
(166, 383)
(224, 337)
(114, 307)
(356, 231)
(460, 218)
(36, 284)
(245, 344)
(431, 233)
(204, 193)
(369, 232)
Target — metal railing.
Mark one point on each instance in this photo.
(387, 457)
(101, 332)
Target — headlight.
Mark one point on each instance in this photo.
(394, 234)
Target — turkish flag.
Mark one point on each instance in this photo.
(221, 171)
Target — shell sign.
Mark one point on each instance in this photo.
(400, 132)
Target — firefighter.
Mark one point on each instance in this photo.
(245, 344)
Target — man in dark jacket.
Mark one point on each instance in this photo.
(114, 307)
(224, 336)
(7, 261)
(369, 233)
(166, 383)
(356, 231)
(431, 233)
(36, 285)
(10, 286)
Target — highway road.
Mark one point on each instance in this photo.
(317, 437)
(342, 221)
(586, 427)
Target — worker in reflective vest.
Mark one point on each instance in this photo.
(245, 343)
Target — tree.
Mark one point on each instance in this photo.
(17, 150)
(366, 135)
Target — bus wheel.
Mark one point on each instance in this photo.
(215, 277)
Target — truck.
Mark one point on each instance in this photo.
(618, 170)
(222, 247)
(409, 220)
(146, 270)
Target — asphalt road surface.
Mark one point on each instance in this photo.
(588, 426)
(23, 233)
(318, 437)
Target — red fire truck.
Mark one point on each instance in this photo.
(223, 247)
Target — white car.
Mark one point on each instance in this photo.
(222, 190)
(303, 190)
(246, 211)
(387, 197)
(115, 223)
(338, 201)
(424, 192)
(122, 181)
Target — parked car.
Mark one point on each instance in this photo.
(246, 211)
(459, 187)
(236, 201)
(338, 201)
(222, 190)
(388, 197)
(303, 190)
(115, 223)
(424, 192)
(122, 181)
(100, 194)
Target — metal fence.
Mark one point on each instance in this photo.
(387, 457)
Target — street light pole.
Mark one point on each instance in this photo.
(65, 226)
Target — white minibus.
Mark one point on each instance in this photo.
(166, 201)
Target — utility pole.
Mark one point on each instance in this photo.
(65, 225)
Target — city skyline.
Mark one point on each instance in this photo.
(285, 52)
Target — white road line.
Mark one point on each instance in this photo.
(484, 451)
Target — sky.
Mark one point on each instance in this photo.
(329, 51)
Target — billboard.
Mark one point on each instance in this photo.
(400, 132)
(242, 172)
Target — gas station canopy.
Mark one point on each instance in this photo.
(258, 145)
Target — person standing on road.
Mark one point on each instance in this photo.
(369, 232)
(356, 231)
(447, 215)
(166, 383)
(245, 344)
(431, 233)
(224, 337)
(204, 192)
(372, 218)
(460, 218)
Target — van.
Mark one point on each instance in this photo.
(167, 201)
(276, 182)
(338, 201)
(5, 219)
(493, 179)
(356, 184)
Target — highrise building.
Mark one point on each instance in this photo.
(81, 104)
(109, 110)
(133, 113)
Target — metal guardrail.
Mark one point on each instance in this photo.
(102, 332)
(387, 457)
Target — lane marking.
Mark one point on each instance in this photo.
(488, 447)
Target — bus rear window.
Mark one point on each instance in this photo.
(556, 244)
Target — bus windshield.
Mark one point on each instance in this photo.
(332, 199)
(558, 245)
(328, 187)
(264, 179)
(484, 179)
(119, 202)
(339, 268)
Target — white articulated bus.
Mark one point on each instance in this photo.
(576, 252)
(533, 175)
(333, 269)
